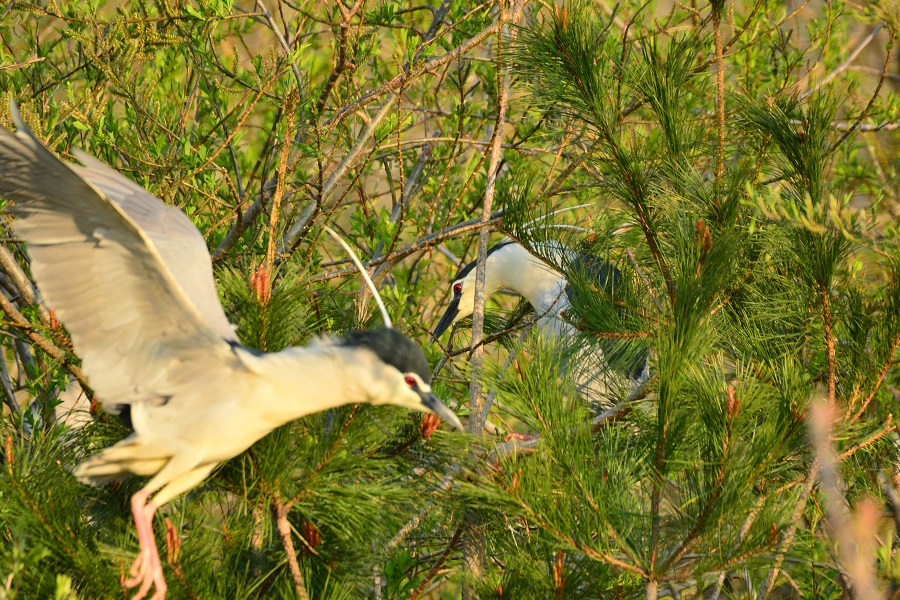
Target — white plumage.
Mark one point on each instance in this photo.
(510, 265)
(131, 279)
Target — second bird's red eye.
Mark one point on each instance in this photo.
(457, 288)
(411, 381)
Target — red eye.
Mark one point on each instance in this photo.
(411, 381)
(457, 288)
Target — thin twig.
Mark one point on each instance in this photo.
(445, 484)
(433, 571)
(281, 41)
(720, 97)
(414, 71)
(275, 211)
(868, 108)
(30, 61)
(23, 285)
(349, 160)
(473, 544)
(788, 537)
(846, 64)
(421, 244)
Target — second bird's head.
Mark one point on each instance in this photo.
(407, 379)
(462, 299)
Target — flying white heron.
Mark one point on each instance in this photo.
(132, 281)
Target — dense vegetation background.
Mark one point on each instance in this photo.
(735, 161)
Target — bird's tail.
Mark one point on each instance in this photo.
(128, 457)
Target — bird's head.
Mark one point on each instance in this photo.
(462, 290)
(402, 376)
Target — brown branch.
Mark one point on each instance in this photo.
(421, 244)
(433, 571)
(284, 530)
(44, 344)
(242, 222)
(282, 174)
(281, 41)
(846, 64)
(720, 98)
(473, 544)
(24, 287)
(878, 381)
(590, 552)
(343, 63)
(829, 343)
(414, 71)
(213, 155)
(885, 429)
(445, 484)
(293, 234)
(30, 61)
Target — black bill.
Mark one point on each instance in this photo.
(448, 318)
(432, 403)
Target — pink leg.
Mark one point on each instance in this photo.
(146, 569)
(138, 501)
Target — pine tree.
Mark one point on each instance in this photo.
(733, 161)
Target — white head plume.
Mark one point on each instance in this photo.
(365, 275)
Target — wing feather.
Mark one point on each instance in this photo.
(175, 237)
(131, 322)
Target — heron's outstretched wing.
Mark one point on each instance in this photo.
(131, 322)
(177, 240)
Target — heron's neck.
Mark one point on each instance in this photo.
(519, 270)
(305, 380)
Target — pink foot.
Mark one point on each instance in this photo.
(146, 569)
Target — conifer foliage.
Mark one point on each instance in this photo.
(734, 161)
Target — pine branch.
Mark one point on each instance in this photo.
(284, 531)
(720, 92)
(701, 520)
(878, 382)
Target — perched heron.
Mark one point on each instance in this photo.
(131, 279)
(510, 265)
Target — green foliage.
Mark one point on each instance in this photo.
(755, 285)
